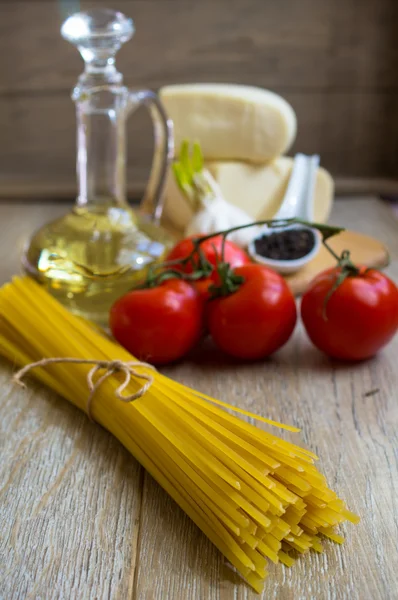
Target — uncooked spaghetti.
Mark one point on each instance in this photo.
(256, 497)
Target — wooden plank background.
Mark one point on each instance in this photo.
(336, 61)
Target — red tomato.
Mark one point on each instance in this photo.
(361, 315)
(233, 254)
(159, 324)
(258, 318)
(202, 287)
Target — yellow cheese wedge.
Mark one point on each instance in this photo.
(259, 190)
(231, 122)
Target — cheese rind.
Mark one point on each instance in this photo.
(231, 122)
(258, 190)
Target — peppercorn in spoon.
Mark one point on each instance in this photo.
(289, 248)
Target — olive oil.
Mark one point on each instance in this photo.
(99, 251)
(92, 256)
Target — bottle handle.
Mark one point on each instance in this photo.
(163, 153)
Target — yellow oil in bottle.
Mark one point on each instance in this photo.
(93, 255)
(102, 249)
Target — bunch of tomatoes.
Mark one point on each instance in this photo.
(249, 310)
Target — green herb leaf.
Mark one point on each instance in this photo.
(185, 160)
(178, 175)
(197, 158)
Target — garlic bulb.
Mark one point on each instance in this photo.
(212, 212)
(216, 215)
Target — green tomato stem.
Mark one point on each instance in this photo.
(203, 266)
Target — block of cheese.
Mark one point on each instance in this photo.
(231, 122)
(257, 189)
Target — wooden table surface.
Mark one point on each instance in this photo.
(79, 518)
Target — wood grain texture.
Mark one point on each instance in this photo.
(344, 127)
(310, 45)
(70, 498)
(79, 518)
(34, 188)
(336, 62)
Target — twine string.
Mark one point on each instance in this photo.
(128, 368)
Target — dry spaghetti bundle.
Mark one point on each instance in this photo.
(255, 496)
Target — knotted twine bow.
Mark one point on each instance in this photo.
(110, 367)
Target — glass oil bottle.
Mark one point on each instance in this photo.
(101, 249)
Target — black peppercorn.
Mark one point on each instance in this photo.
(287, 244)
